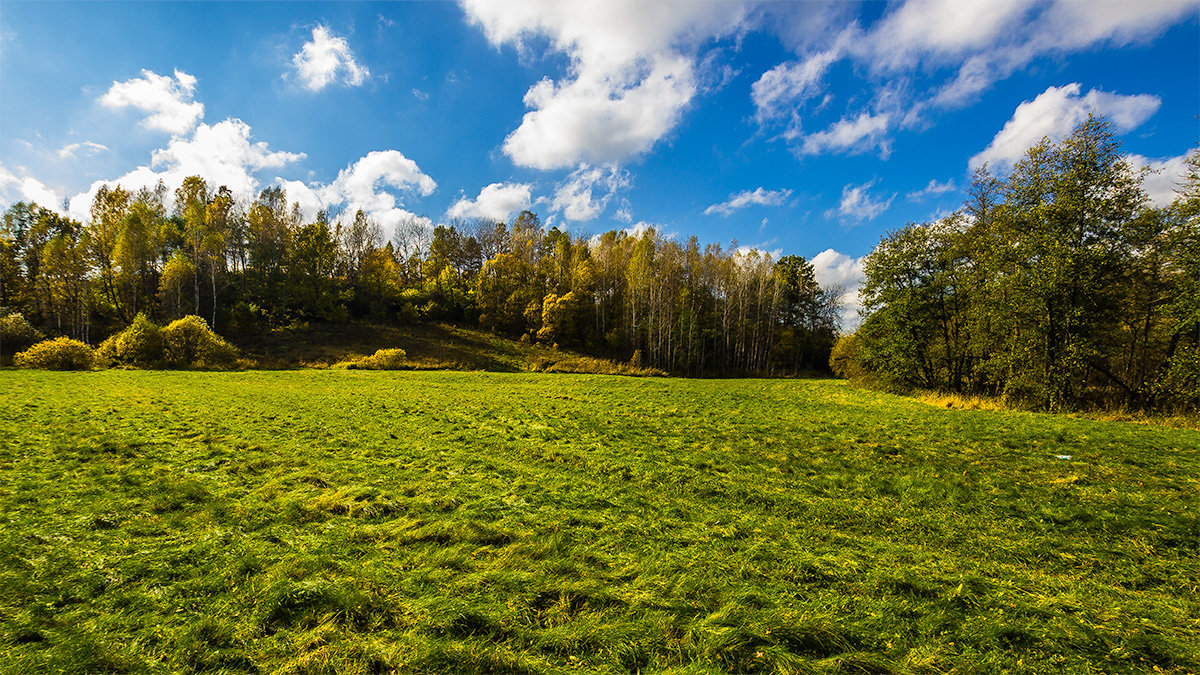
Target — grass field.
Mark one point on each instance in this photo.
(346, 521)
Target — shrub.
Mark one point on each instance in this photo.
(15, 330)
(57, 354)
(190, 342)
(383, 359)
(16, 334)
(140, 345)
(591, 366)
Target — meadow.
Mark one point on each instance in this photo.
(340, 521)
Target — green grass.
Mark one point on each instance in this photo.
(332, 521)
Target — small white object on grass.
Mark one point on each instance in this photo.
(1063, 456)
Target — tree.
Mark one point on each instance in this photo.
(108, 211)
(1067, 207)
(806, 323)
(312, 262)
(191, 205)
(358, 240)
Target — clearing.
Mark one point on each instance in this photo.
(352, 521)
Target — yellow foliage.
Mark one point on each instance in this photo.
(57, 354)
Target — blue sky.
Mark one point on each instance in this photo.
(805, 128)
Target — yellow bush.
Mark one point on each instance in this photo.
(57, 354)
(189, 342)
(140, 345)
(383, 359)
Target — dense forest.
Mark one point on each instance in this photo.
(1057, 287)
(246, 268)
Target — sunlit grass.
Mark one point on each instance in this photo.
(354, 521)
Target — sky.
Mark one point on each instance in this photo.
(799, 128)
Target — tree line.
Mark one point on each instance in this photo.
(1057, 287)
(640, 296)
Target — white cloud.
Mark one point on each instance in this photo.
(364, 185)
(1166, 178)
(84, 148)
(600, 121)
(940, 27)
(586, 192)
(325, 59)
(308, 197)
(641, 229)
(1069, 25)
(758, 196)
(24, 188)
(858, 204)
(167, 100)
(960, 48)
(780, 89)
(835, 270)
(495, 202)
(934, 188)
(420, 95)
(857, 135)
(1054, 114)
(371, 183)
(222, 154)
(631, 73)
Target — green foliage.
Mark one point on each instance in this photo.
(313, 258)
(1057, 288)
(188, 342)
(140, 345)
(356, 522)
(57, 354)
(1179, 387)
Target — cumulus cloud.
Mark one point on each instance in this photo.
(84, 148)
(24, 188)
(1054, 114)
(632, 73)
(857, 135)
(758, 196)
(858, 203)
(377, 183)
(495, 202)
(1165, 179)
(371, 184)
(586, 191)
(934, 188)
(222, 154)
(167, 100)
(838, 271)
(959, 47)
(326, 59)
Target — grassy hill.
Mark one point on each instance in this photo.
(311, 521)
(429, 346)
